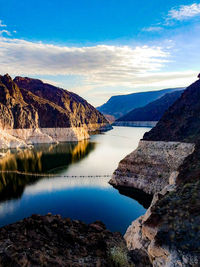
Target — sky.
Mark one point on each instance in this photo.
(100, 48)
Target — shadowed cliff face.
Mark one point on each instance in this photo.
(15, 112)
(169, 231)
(40, 159)
(181, 122)
(29, 103)
(176, 213)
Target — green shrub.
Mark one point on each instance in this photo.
(119, 257)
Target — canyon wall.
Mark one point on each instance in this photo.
(167, 165)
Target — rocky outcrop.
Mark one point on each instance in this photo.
(152, 166)
(169, 231)
(34, 112)
(53, 241)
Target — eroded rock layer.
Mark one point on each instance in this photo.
(152, 166)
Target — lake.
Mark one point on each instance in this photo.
(82, 198)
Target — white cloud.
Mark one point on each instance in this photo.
(152, 29)
(2, 25)
(167, 79)
(184, 12)
(99, 65)
(6, 32)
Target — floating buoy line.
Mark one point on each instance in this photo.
(53, 174)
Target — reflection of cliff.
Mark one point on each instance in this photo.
(141, 197)
(40, 159)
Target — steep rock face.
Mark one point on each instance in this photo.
(169, 231)
(181, 122)
(34, 112)
(152, 166)
(77, 111)
(12, 105)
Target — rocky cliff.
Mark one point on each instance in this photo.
(167, 164)
(152, 166)
(34, 112)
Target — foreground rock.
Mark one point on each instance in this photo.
(52, 241)
(167, 164)
(34, 112)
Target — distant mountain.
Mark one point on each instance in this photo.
(154, 110)
(120, 105)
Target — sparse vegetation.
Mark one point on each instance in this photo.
(119, 257)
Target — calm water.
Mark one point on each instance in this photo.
(86, 199)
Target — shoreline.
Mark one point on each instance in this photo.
(149, 124)
(23, 138)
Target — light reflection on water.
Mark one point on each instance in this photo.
(87, 199)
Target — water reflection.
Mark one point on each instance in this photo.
(143, 198)
(39, 159)
(87, 199)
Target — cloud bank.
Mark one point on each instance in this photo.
(185, 12)
(101, 64)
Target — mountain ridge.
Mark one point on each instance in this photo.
(119, 105)
(154, 110)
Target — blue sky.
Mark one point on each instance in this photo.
(99, 48)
